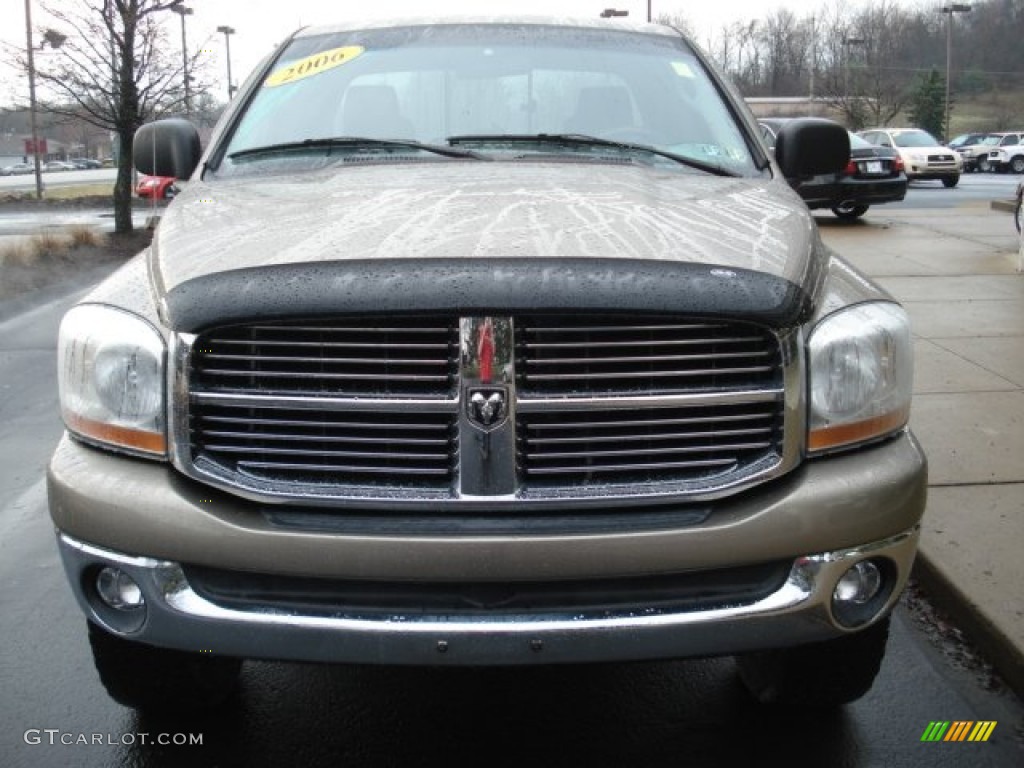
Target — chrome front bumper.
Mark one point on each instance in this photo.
(177, 617)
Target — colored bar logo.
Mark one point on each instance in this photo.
(958, 730)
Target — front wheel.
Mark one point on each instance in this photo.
(850, 211)
(1017, 217)
(825, 674)
(984, 165)
(158, 679)
(950, 181)
(1017, 164)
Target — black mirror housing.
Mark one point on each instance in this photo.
(168, 147)
(811, 147)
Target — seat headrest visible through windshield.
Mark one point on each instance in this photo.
(372, 111)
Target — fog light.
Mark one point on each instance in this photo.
(859, 584)
(118, 590)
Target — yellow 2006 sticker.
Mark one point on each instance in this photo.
(313, 65)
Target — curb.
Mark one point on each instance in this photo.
(1002, 652)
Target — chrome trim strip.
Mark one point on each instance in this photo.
(794, 366)
(487, 381)
(299, 403)
(179, 361)
(589, 403)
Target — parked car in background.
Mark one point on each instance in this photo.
(1005, 152)
(58, 165)
(18, 169)
(924, 158)
(969, 146)
(157, 187)
(85, 163)
(873, 175)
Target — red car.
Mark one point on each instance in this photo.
(157, 187)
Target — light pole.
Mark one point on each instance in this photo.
(814, 56)
(32, 99)
(55, 40)
(847, 42)
(183, 10)
(228, 31)
(648, 11)
(851, 113)
(949, 10)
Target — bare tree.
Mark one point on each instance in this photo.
(114, 71)
(677, 20)
(869, 80)
(785, 43)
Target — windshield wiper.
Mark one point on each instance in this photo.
(357, 142)
(582, 140)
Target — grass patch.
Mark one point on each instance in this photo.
(82, 235)
(84, 190)
(16, 255)
(32, 263)
(48, 247)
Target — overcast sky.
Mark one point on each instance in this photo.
(260, 24)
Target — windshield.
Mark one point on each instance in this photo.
(856, 142)
(914, 139)
(430, 84)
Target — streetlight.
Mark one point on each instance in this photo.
(949, 10)
(608, 13)
(55, 40)
(183, 10)
(847, 42)
(32, 99)
(228, 31)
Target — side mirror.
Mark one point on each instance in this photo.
(812, 147)
(167, 148)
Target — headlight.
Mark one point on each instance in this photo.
(861, 375)
(111, 378)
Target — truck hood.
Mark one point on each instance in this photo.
(478, 211)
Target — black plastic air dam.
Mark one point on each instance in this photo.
(462, 286)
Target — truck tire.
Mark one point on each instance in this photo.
(158, 679)
(826, 674)
(1017, 164)
(950, 181)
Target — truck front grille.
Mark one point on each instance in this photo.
(645, 445)
(357, 357)
(379, 409)
(328, 449)
(567, 356)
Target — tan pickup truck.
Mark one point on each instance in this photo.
(486, 343)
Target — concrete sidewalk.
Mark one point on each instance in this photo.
(955, 271)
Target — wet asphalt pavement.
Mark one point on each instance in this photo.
(691, 713)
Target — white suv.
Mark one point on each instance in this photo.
(923, 157)
(1005, 152)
